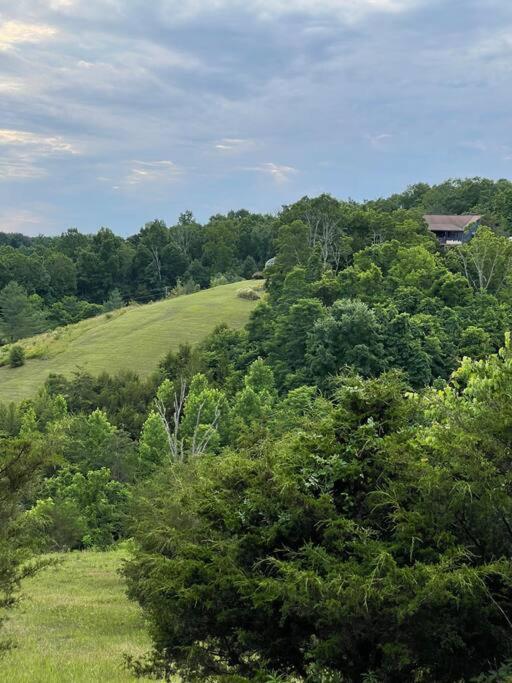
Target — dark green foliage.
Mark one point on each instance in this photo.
(71, 310)
(114, 301)
(249, 267)
(20, 465)
(16, 356)
(371, 540)
(20, 314)
(124, 398)
(350, 335)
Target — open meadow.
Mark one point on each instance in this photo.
(74, 624)
(131, 338)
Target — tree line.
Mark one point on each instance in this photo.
(52, 281)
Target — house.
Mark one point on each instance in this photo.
(452, 230)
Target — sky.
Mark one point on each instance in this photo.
(116, 112)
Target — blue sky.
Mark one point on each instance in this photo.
(114, 112)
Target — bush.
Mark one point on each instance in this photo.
(16, 356)
(187, 287)
(78, 511)
(218, 280)
(248, 293)
(224, 279)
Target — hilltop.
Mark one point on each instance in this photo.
(131, 338)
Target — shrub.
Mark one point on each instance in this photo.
(224, 279)
(187, 287)
(248, 293)
(218, 280)
(16, 356)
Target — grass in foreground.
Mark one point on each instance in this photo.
(74, 624)
(133, 338)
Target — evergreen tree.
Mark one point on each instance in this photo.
(20, 315)
(114, 301)
(16, 356)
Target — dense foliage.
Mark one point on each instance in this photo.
(20, 465)
(324, 496)
(365, 535)
(51, 281)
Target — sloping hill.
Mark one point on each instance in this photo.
(134, 338)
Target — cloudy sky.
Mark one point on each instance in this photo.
(114, 112)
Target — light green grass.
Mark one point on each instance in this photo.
(134, 338)
(74, 624)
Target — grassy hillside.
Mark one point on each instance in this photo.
(136, 338)
(74, 624)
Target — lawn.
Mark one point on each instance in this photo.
(74, 624)
(134, 338)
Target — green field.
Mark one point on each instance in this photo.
(134, 338)
(74, 624)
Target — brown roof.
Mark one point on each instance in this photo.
(453, 223)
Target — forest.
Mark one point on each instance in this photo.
(324, 495)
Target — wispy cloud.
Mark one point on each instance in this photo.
(237, 145)
(25, 151)
(347, 10)
(278, 172)
(21, 220)
(380, 140)
(22, 167)
(48, 144)
(147, 173)
(477, 145)
(14, 32)
(11, 86)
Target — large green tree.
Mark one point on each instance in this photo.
(20, 315)
(370, 541)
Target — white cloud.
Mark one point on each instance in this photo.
(44, 144)
(149, 172)
(57, 5)
(234, 145)
(380, 140)
(11, 86)
(24, 152)
(14, 32)
(20, 168)
(278, 172)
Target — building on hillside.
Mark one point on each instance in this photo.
(452, 230)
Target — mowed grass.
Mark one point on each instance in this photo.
(133, 338)
(74, 624)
